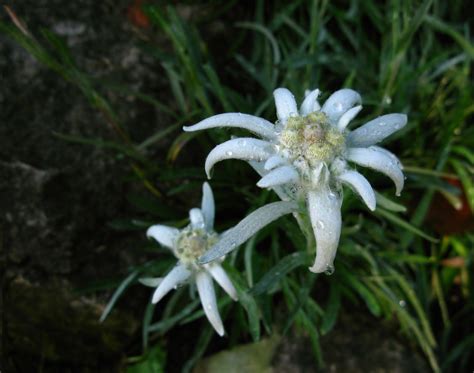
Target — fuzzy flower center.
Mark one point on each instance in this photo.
(193, 243)
(311, 138)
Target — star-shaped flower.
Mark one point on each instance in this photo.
(188, 245)
(305, 157)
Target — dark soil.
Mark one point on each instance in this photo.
(56, 197)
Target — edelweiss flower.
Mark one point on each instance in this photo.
(305, 157)
(188, 245)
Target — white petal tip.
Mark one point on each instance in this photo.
(327, 269)
(279, 176)
(156, 298)
(285, 103)
(220, 331)
(313, 269)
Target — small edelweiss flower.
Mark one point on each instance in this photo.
(305, 157)
(188, 245)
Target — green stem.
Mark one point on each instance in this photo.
(306, 228)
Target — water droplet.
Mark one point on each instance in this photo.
(320, 224)
(402, 303)
(209, 307)
(382, 124)
(338, 106)
(387, 100)
(329, 270)
(229, 153)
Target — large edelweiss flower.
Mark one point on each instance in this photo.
(188, 245)
(305, 157)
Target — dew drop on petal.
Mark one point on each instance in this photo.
(229, 153)
(320, 224)
(329, 270)
(381, 124)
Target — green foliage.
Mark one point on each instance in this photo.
(403, 56)
(153, 361)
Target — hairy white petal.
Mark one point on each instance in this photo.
(222, 279)
(241, 148)
(279, 176)
(360, 184)
(274, 161)
(379, 161)
(390, 154)
(208, 300)
(208, 206)
(285, 103)
(325, 214)
(281, 191)
(345, 119)
(197, 218)
(310, 103)
(339, 102)
(259, 126)
(246, 228)
(166, 236)
(376, 130)
(175, 277)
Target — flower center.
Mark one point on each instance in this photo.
(192, 243)
(311, 138)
